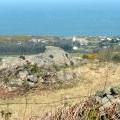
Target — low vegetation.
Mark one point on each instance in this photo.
(98, 69)
(91, 56)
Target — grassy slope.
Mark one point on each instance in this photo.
(92, 78)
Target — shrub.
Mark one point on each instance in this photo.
(85, 56)
(90, 56)
(116, 57)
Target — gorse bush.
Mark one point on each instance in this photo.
(91, 56)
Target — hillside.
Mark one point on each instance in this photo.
(49, 78)
(33, 104)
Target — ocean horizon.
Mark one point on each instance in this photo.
(74, 18)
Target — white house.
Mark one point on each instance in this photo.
(75, 47)
(82, 41)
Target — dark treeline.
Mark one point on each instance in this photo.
(25, 48)
(30, 47)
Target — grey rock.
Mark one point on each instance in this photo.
(101, 94)
(115, 89)
(64, 75)
(22, 75)
(32, 78)
(27, 69)
(98, 99)
(105, 100)
(31, 84)
(107, 91)
(51, 56)
(12, 62)
(40, 80)
(49, 78)
(16, 83)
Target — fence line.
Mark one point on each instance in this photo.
(72, 98)
(50, 104)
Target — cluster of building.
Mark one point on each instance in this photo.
(37, 40)
(79, 42)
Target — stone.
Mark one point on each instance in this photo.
(49, 78)
(98, 99)
(31, 84)
(16, 83)
(50, 67)
(115, 90)
(32, 78)
(40, 80)
(12, 62)
(101, 94)
(22, 75)
(51, 56)
(64, 75)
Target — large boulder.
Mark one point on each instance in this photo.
(48, 68)
(52, 56)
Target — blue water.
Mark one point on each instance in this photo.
(64, 19)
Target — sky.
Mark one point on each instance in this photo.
(65, 15)
(55, 1)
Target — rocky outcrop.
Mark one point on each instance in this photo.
(51, 56)
(49, 68)
(108, 95)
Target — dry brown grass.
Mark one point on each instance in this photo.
(92, 78)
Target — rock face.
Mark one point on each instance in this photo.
(52, 56)
(109, 96)
(47, 68)
(109, 103)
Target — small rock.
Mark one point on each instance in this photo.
(40, 80)
(101, 94)
(31, 84)
(23, 75)
(16, 83)
(32, 78)
(98, 99)
(105, 100)
(66, 75)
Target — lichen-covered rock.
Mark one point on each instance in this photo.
(11, 62)
(116, 89)
(66, 75)
(23, 75)
(49, 68)
(52, 56)
(32, 78)
(16, 83)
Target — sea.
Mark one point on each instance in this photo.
(68, 18)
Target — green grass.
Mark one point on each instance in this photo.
(26, 37)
